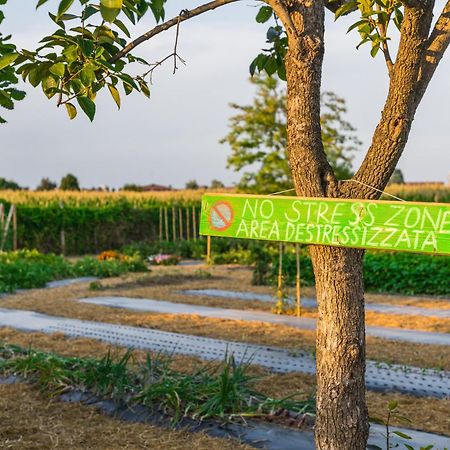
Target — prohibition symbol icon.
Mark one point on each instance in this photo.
(221, 215)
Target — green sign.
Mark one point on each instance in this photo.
(401, 226)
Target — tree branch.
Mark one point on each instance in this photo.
(382, 31)
(437, 44)
(392, 132)
(184, 15)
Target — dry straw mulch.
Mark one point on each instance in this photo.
(427, 414)
(61, 302)
(29, 421)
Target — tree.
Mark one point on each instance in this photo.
(8, 78)
(69, 183)
(192, 184)
(216, 184)
(258, 136)
(132, 187)
(46, 185)
(9, 184)
(74, 63)
(397, 177)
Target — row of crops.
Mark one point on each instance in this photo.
(89, 222)
(78, 223)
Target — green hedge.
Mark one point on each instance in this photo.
(88, 229)
(394, 273)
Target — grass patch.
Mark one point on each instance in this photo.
(216, 391)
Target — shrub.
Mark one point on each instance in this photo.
(395, 273)
(26, 269)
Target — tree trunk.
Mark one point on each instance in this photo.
(342, 419)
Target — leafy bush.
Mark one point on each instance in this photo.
(30, 269)
(26, 269)
(396, 273)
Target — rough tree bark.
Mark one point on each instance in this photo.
(342, 418)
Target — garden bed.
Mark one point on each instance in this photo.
(426, 413)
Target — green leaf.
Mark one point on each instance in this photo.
(402, 435)
(264, 14)
(17, 95)
(8, 59)
(271, 66)
(110, 9)
(375, 49)
(63, 7)
(109, 14)
(112, 4)
(392, 405)
(281, 71)
(402, 418)
(377, 420)
(35, 76)
(144, 88)
(71, 111)
(115, 94)
(87, 76)
(89, 11)
(49, 86)
(71, 53)
(345, 9)
(357, 24)
(88, 106)
(118, 23)
(58, 69)
(40, 3)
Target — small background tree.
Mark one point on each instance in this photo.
(258, 138)
(397, 177)
(69, 183)
(216, 184)
(46, 185)
(192, 184)
(9, 184)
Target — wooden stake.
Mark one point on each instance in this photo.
(6, 228)
(166, 223)
(279, 307)
(180, 220)
(297, 279)
(160, 224)
(194, 223)
(174, 224)
(14, 227)
(188, 225)
(208, 250)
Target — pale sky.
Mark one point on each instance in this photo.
(173, 137)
